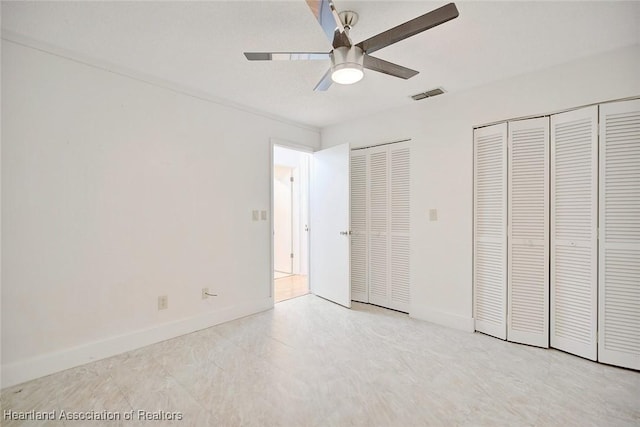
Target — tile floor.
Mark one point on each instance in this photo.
(309, 362)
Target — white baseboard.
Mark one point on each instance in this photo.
(26, 370)
(442, 318)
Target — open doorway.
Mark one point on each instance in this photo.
(290, 222)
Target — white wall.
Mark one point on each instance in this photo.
(116, 191)
(283, 214)
(442, 163)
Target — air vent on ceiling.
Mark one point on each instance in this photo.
(428, 94)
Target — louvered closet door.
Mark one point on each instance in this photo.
(574, 222)
(399, 195)
(490, 230)
(378, 225)
(619, 284)
(528, 265)
(359, 235)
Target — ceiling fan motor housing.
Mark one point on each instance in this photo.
(346, 64)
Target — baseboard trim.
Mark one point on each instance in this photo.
(19, 372)
(442, 318)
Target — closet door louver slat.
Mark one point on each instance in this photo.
(528, 237)
(619, 260)
(574, 256)
(490, 230)
(359, 270)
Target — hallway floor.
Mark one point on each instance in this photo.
(309, 362)
(291, 286)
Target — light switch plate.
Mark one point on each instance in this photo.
(263, 215)
(163, 302)
(433, 214)
(256, 215)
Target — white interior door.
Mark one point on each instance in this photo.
(282, 219)
(490, 230)
(619, 284)
(329, 275)
(574, 225)
(528, 237)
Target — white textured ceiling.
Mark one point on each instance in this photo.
(200, 45)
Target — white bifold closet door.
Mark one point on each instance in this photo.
(399, 226)
(380, 225)
(359, 229)
(619, 272)
(528, 232)
(378, 212)
(574, 222)
(490, 230)
(388, 244)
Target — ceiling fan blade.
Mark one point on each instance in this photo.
(382, 66)
(286, 56)
(325, 82)
(410, 28)
(327, 16)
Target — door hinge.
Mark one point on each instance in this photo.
(291, 179)
(291, 255)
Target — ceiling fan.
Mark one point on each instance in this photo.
(347, 59)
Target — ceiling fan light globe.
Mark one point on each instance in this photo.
(347, 74)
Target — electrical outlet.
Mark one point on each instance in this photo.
(205, 291)
(163, 302)
(263, 215)
(433, 214)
